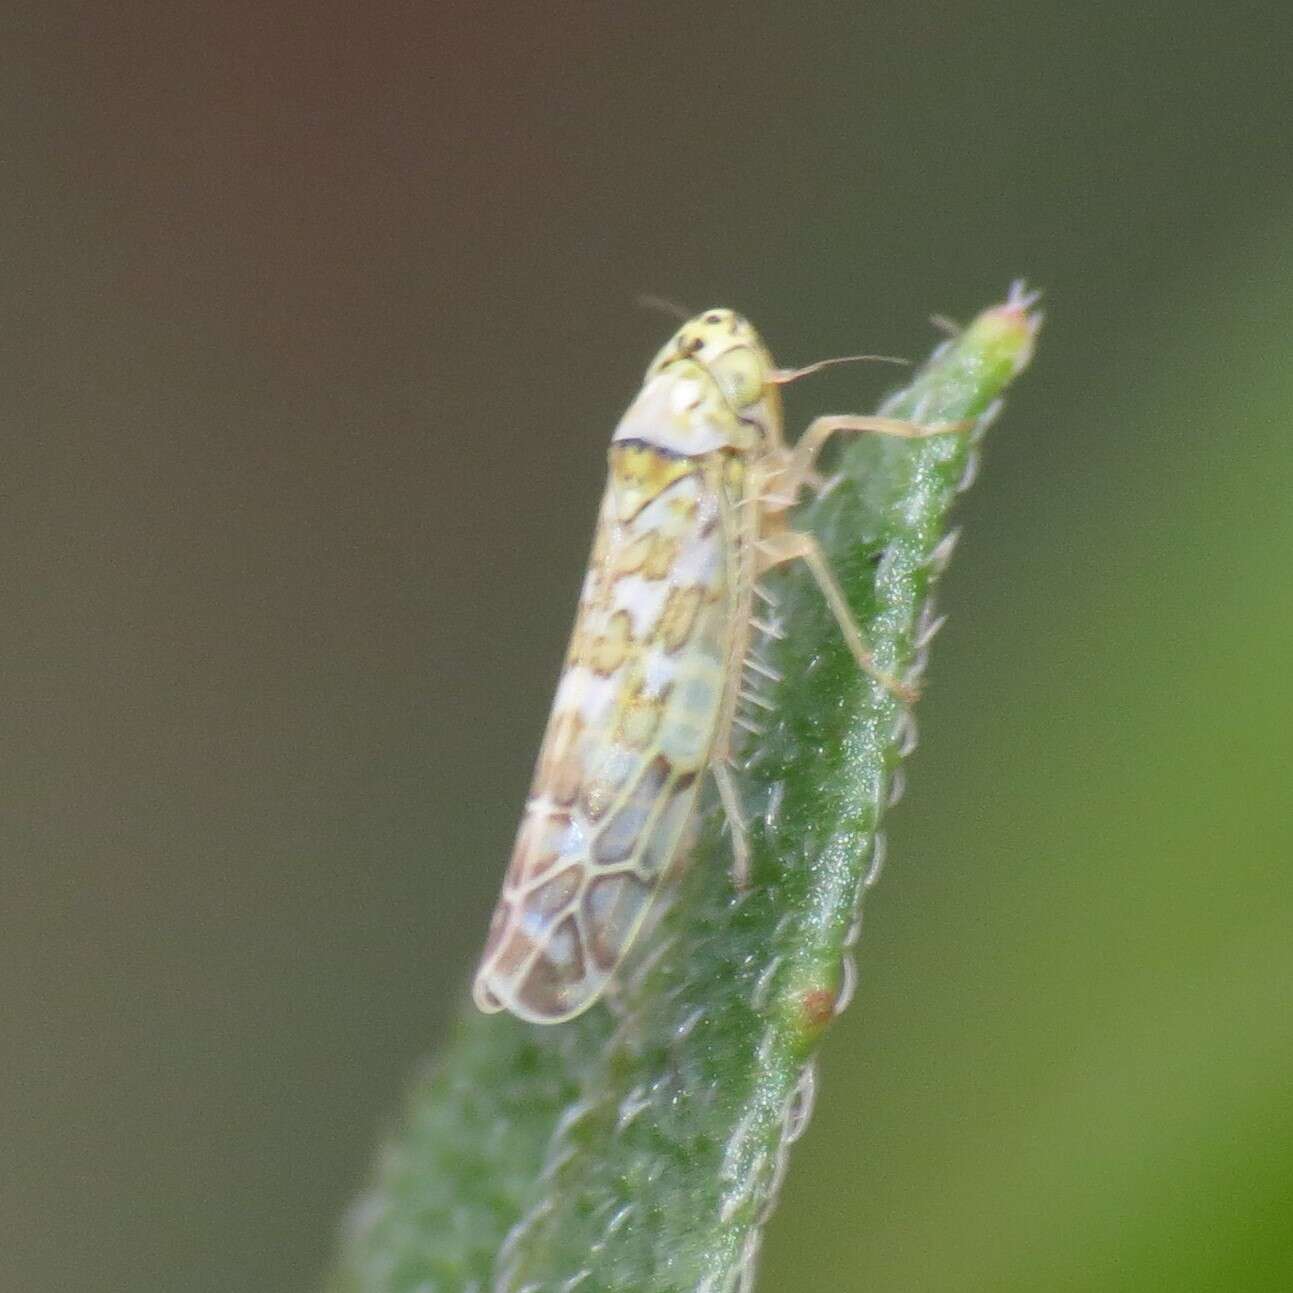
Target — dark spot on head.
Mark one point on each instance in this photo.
(713, 318)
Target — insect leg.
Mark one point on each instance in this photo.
(790, 545)
(735, 819)
(801, 471)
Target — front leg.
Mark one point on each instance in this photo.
(801, 469)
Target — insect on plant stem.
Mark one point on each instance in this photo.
(695, 511)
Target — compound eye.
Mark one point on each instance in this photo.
(740, 376)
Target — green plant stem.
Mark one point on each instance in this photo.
(641, 1146)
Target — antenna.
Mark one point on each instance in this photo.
(782, 376)
(648, 301)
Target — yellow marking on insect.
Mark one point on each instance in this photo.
(699, 485)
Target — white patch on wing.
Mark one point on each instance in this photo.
(643, 599)
(698, 563)
(596, 697)
(659, 671)
(572, 688)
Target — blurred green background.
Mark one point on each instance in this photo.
(317, 319)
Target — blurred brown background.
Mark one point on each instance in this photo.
(316, 321)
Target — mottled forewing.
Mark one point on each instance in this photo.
(629, 737)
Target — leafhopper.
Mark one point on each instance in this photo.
(701, 482)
